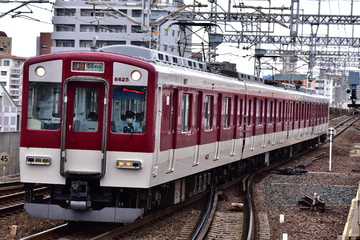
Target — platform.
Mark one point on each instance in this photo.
(351, 229)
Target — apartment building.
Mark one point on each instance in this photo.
(10, 75)
(78, 23)
(9, 112)
(5, 44)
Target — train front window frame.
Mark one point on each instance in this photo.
(44, 106)
(128, 109)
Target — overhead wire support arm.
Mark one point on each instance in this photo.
(109, 5)
(175, 12)
(23, 3)
(258, 9)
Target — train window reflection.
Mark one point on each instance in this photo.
(128, 109)
(86, 109)
(226, 112)
(208, 112)
(185, 113)
(44, 106)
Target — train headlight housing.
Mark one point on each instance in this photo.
(38, 160)
(40, 71)
(135, 75)
(129, 164)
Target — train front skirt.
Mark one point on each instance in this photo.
(108, 214)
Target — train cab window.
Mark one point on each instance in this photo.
(44, 105)
(226, 112)
(209, 103)
(185, 113)
(128, 109)
(86, 109)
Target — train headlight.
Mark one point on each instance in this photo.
(129, 164)
(38, 160)
(135, 75)
(40, 71)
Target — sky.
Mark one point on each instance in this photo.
(27, 27)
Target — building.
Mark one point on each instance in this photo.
(324, 87)
(78, 23)
(10, 85)
(10, 75)
(9, 117)
(44, 44)
(5, 44)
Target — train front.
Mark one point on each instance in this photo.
(87, 132)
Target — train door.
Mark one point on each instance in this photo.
(279, 122)
(290, 119)
(168, 125)
(286, 120)
(239, 137)
(84, 120)
(302, 116)
(306, 119)
(249, 127)
(258, 137)
(198, 125)
(226, 126)
(217, 127)
(269, 136)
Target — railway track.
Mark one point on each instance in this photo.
(262, 221)
(12, 198)
(119, 231)
(258, 226)
(109, 231)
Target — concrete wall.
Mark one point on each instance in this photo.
(9, 143)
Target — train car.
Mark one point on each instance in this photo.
(119, 132)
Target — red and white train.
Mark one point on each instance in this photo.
(117, 132)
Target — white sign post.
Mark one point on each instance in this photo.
(331, 134)
(4, 160)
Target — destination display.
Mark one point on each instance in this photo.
(77, 66)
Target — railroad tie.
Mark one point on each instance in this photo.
(264, 228)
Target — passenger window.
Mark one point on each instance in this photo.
(185, 113)
(259, 111)
(128, 109)
(44, 105)
(278, 112)
(270, 112)
(250, 113)
(208, 112)
(241, 112)
(226, 112)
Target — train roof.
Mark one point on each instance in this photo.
(151, 55)
(225, 68)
